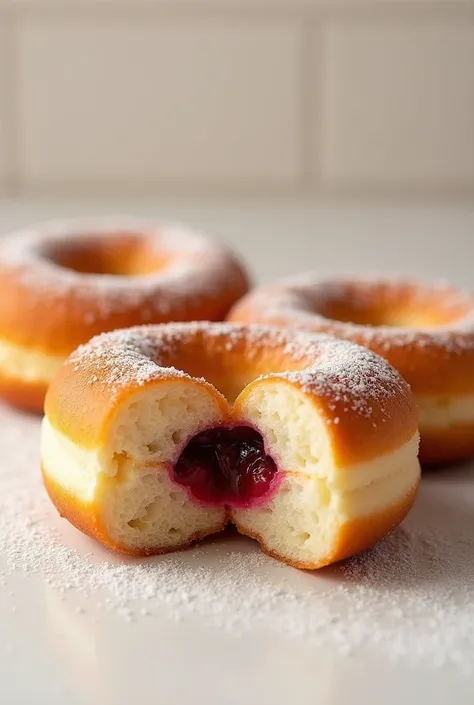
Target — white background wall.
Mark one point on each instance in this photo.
(349, 97)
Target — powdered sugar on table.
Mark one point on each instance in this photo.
(410, 597)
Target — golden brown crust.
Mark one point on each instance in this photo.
(367, 406)
(28, 396)
(363, 532)
(435, 358)
(354, 536)
(450, 445)
(47, 307)
(356, 437)
(82, 410)
(85, 516)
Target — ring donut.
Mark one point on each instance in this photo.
(62, 283)
(425, 331)
(160, 435)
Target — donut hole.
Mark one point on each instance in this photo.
(398, 305)
(226, 466)
(115, 255)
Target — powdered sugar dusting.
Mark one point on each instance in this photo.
(301, 302)
(120, 359)
(353, 376)
(410, 598)
(197, 269)
(336, 370)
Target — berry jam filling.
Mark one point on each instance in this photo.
(226, 466)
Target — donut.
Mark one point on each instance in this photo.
(157, 436)
(63, 283)
(426, 331)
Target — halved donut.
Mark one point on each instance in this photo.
(159, 435)
(426, 331)
(62, 283)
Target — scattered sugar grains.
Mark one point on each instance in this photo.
(410, 597)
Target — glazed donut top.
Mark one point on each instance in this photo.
(419, 328)
(365, 402)
(77, 279)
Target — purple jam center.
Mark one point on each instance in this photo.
(226, 466)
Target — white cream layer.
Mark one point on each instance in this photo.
(356, 491)
(70, 465)
(441, 412)
(20, 363)
(384, 481)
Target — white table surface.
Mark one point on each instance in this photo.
(59, 644)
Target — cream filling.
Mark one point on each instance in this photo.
(444, 412)
(302, 522)
(299, 440)
(73, 467)
(20, 363)
(385, 480)
(140, 506)
(351, 492)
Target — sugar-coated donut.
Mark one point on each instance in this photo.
(425, 331)
(62, 283)
(157, 436)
